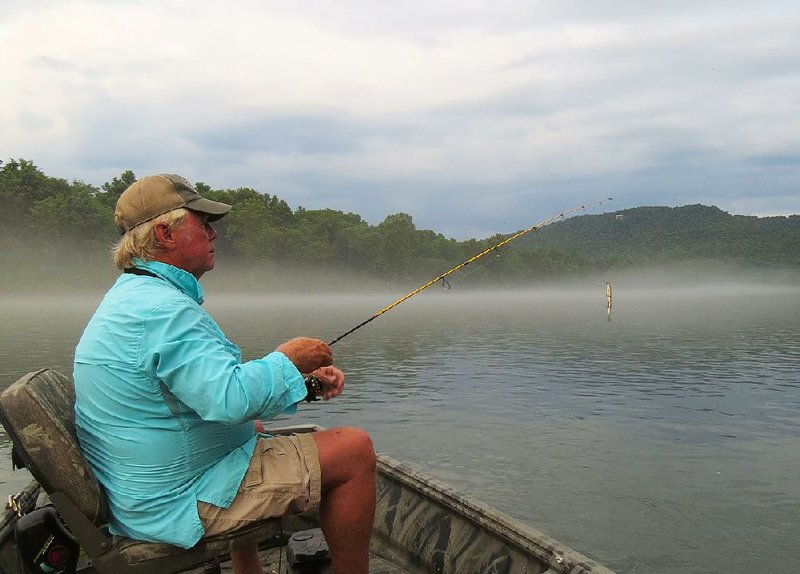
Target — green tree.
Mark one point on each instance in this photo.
(330, 238)
(259, 227)
(398, 244)
(21, 185)
(73, 211)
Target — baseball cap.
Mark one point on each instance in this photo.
(155, 195)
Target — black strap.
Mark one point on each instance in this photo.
(16, 458)
(137, 271)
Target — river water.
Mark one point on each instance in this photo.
(663, 441)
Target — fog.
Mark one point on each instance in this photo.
(31, 271)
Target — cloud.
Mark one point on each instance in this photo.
(474, 117)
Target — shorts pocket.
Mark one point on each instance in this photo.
(284, 468)
(255, 474)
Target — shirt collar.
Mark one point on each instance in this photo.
(183, 280)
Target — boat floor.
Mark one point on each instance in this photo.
(274, 562)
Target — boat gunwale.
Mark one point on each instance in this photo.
(515, 533)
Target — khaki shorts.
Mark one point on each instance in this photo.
(283, 478)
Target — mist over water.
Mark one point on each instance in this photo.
(662, 441)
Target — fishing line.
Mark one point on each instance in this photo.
(463, 264)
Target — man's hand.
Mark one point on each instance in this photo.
(307, 354)
(332, 381)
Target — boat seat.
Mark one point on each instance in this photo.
(37, 412)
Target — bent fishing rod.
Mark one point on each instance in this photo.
(463, 264)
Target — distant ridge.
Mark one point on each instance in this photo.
(656, 235)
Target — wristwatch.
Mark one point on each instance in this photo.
(314, 388)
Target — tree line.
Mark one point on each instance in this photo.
(55, 219)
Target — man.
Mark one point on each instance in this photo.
(165, 407)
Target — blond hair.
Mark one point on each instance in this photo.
(141, 241)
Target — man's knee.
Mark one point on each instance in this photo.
(348, 449)
(361, 443)
(360, 447)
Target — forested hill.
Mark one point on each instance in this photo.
(52, 228)
(655, 235)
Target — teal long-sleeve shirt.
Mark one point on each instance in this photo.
(164, 405)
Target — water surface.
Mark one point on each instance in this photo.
(663, 441)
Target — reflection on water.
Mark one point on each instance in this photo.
(662, 441)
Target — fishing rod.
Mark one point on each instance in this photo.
(441, 277)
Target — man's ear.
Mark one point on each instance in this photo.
(164, 236)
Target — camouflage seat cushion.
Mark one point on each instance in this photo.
(136, 551)
(37, 411)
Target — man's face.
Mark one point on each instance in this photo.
(194, 244)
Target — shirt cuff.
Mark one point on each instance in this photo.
(294, 380)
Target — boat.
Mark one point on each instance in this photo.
(56, 523)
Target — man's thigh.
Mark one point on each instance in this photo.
(283, 478)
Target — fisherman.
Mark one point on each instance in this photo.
(168, 414)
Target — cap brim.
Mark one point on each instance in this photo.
(214, 209)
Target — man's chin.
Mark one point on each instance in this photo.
(199, 274)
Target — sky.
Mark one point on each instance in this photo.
(474, 117)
